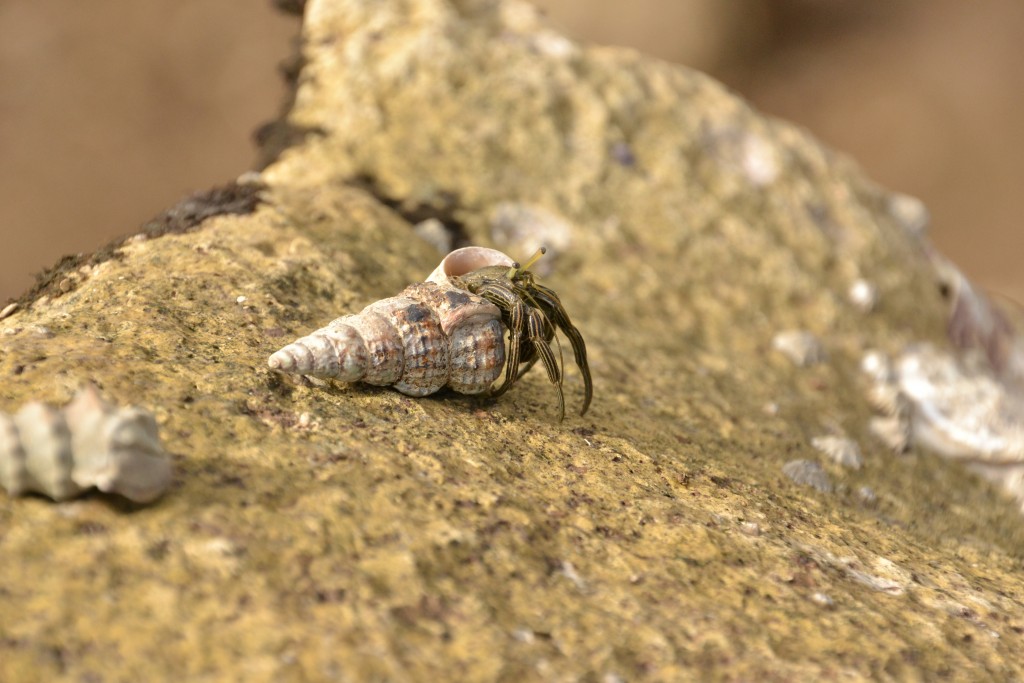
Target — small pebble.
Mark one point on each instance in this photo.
(867, 495)
(8, 310)
(436, 234)
(622, 153)
(808, 473)
(910, 212)
(876, 365)
(863, 295)
(751, 528)
(523, 635)
(800, 346)
(760, 160)
(250, 178)
(822, 599)
(569, 572)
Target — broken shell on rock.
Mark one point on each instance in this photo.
(64, 452)
(429, 336)
(959, 410)
(808, 473)
(841, 450)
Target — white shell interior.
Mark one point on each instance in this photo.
(466, 260)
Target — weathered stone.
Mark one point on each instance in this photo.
(340, 532)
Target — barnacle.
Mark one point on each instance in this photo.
(446, 331)
(62, 452)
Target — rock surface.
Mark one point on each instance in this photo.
(326, 531)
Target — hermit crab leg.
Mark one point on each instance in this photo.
(509, 303)
(545, 299)
(552, 306)
(529, 356)
(537, 326)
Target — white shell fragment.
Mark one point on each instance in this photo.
(960, 413)
(430, 336)
(808, 473)
(800, 346)
(840, 450)
(954, 408)
(64, 452)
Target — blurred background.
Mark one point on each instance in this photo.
(111, 111)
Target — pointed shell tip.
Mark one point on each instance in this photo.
(279, 361)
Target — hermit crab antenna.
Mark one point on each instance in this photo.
(516, 268)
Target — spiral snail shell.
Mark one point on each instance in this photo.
(429, 336)
(62, 452)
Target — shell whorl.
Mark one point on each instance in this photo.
(430, 335)
(62, 452)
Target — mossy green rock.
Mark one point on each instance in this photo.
(321, 531)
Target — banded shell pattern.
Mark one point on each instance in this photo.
(63, 452)
(429, 336)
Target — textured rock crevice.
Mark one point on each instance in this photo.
(319, 530)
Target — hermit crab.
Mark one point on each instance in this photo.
(448, 331)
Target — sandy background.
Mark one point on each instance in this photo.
(111, 111)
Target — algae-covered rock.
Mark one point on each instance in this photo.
(323, 531)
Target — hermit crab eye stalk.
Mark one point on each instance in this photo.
(517, 269)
